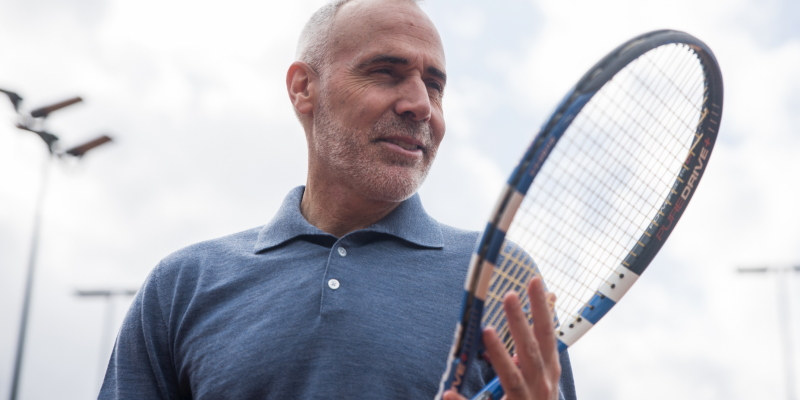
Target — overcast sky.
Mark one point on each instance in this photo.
(206, 144)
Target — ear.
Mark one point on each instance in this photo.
(301, 83)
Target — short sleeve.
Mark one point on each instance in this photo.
(566, 385)
(141, 364)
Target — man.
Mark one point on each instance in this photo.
(352, 290)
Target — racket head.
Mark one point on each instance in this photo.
(649, 154)
(514, 269)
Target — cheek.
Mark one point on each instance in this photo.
(438, 127)
(358, 102)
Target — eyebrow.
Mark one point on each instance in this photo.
(437, 73)
(387, 59)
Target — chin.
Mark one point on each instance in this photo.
(391, 184)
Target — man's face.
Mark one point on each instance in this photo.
(379, 120)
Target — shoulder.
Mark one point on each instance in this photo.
(225, 250)
(458, 239)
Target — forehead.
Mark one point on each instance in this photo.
(367, 27)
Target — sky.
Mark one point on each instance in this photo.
(206, 144)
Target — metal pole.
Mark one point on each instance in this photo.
(26, 303)
(105, 337)
(29, 123)
(784, 318)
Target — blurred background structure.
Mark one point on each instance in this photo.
(107, 334)
(208, 145)
(783, 277)
(34, 121)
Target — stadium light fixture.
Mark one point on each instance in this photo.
(34, 122)
(48, 138)
(15, 98)
(43, 112)
(80, 150)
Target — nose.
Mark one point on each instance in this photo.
(414, 101)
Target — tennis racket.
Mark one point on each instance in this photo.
(597, 193)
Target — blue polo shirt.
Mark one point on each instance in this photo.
(286, 311)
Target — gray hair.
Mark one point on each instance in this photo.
(313, 47)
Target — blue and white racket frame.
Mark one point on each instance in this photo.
(468, 333)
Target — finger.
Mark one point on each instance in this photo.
(551, 304)
(542, 316)
(452, 395)
(510, 376)
(527, 346)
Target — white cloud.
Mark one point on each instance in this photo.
(467, 22)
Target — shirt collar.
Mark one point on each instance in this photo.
(408, 221)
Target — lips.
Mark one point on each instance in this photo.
(405, 143)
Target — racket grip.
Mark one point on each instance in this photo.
(492, 391)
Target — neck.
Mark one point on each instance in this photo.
(339, 210)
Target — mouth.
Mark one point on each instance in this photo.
(405, 143)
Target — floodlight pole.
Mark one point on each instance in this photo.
(29, 122)
(784, 315)
(37, 222)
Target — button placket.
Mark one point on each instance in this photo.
(335, 278)
(333, 283)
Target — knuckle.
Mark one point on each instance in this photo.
(531, 349)
(515, 383)
(546, 391)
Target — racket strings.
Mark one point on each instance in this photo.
(606, 178)
(688, 101)
(678, 118)
(643, 108)
(627, 216)
(649, 152)
(677, 155)
(593, 207)
(626, 246)
(640, 181)
(668, 82)
(515, 268)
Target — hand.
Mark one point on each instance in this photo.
(539, 368)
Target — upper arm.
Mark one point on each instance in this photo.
(141, 365)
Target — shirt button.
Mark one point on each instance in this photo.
(342, 251)
(333, 283)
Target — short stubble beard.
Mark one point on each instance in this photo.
(353, 156)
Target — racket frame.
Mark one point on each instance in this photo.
(468, 333)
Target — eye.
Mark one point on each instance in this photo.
(385, 71)
(435, 86)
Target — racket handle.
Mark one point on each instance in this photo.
(492, 391)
